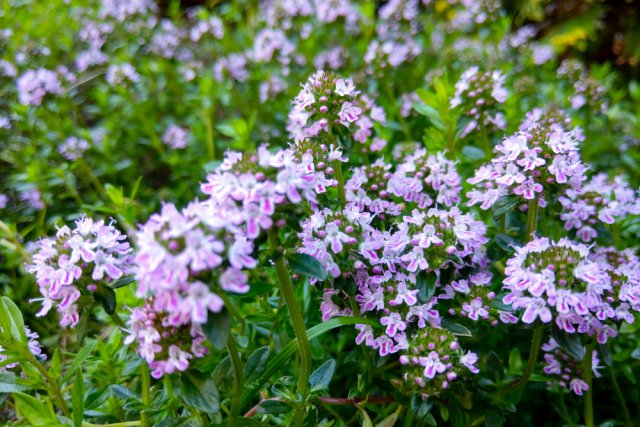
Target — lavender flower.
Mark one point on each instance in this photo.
(32, 197)
(566, 371)
(433, 360)
(74, 262)
(326, 101)
(175, 137)
(73, 148)
(600, 200)
(542, 155)
(563, 282)
(166, 348)
(480, 93)
(118, 75)
(33, 85)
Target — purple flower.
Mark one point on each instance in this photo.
(61, 265)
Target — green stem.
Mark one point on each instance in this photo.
(486, 143)
(118, 321)
(146, 394)
(588, 396)
(337, 168)
(297, 320)
(92, 179)
(623, 403)
(238, 381)
(532, 219)
(53, 385)
(563, 408)
(536, 342)
(211, 143)
(233, 310)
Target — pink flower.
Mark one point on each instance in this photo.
(349, 113)
(394, 323)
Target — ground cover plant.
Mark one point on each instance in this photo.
(316, 213)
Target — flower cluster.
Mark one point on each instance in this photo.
(76, 262)
(541, 156)
(566, 370)
(600, 200)
(433, 360)
(423, 179)
(480, 93)
(175, 137)
(588, 91)
(186, 258)
(73, 147)
(33, 85)
(327, 101)
(167, 348)
(384, 246)
(563, 282)
(120, 74)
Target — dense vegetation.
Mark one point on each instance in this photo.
(331, 213)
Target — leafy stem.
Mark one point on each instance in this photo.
(146, 395)
(623, 403)
(238, 380)
(536, 343)
(52, 384)
(532, 219)
(538, 332)
(297, 320)
(588, 396)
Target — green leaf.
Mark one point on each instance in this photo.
(223, 373)
(81, 356)
(83, 323)
(12, 321)
(284, 357)
(217, 328)
(123, 281)
(455, 328)
(107, 297)
(473, 153)
(426, 284)
(494, 419)
(498, 304)
(115, 194)
(256, 363)
(77, 399)
(321, 377)
(506, 242)
(515, 360)
(307, 265)
(256, 289)
(34, 411)
(504, 204)
(122, 392)
(604, 353)
(570, 343)
(10, 383)
(54, 369)
(420, 408)
(273, 407)
(200, 393)
(391, 420)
